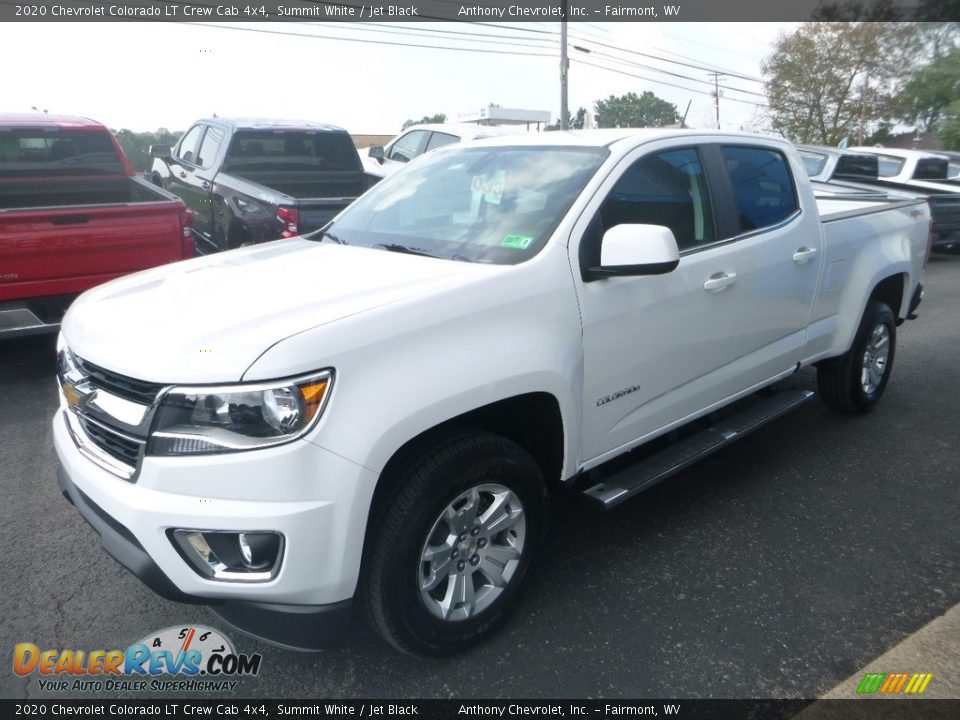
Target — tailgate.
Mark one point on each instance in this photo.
(945, 213)
(314, 214)
(70, 249)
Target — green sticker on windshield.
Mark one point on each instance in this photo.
(519, 242)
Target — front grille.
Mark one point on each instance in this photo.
(117, 446)
(138, 391)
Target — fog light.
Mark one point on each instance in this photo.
(258, 550)
(230, 556)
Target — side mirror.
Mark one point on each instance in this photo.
(627, 250)
(161, 152)
(376, 152)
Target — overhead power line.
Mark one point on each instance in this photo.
(315, 36)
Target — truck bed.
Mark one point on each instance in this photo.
(21, 194)
(848, 205)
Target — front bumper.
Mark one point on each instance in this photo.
(316, 499)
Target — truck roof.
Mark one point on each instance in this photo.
(897, 152)
(828, 150)
(272, 124)
(44, 120)
(610, 136)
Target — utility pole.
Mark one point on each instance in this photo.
(683, 121)
(716, 94)
(564, 68)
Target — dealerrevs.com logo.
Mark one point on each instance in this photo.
(189, 652)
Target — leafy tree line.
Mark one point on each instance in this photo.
(857, 71)
(137, 144)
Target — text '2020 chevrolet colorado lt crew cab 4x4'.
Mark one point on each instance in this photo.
(383, 427)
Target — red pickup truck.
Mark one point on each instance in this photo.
(72, 215)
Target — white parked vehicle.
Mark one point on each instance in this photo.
(376, 414)
(918, 168)
(418, 139)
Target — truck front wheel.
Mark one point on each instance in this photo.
(855, 381)
(452, 542)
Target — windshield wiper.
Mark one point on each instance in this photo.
(396, 247)
(333, 237)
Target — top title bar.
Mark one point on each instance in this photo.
(486, 10)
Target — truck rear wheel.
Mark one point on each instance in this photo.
(452, 542)
(855, 381)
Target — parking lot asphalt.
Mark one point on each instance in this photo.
(776, 568)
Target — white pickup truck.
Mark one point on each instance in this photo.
(375, 415)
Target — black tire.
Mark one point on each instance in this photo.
(426, 481)
(840, 380)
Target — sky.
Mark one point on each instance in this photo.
(143, 76)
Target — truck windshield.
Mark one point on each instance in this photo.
(42, 152)
(291, 150)
(481, 204)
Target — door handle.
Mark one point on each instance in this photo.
(803, 255)
(719, 281)
(205, 185)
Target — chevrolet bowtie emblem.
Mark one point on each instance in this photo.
(71, 394)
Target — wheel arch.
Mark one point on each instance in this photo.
(533, 420)
(892, 291)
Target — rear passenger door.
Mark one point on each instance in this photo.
(659, 350)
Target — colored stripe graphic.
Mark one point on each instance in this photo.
(871, 682)
(893, 683)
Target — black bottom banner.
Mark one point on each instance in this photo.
(878, 709)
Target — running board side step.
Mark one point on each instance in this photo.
(624, 484)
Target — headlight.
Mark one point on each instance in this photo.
(217, 419)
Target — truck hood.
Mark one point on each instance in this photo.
(208, 320)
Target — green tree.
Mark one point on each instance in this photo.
(574, 122)
(949, 132)
(631, 110)
(438, 118)
(137, 145)
(930, 90)
(830, 80)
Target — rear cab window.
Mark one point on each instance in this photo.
(43, 152)
(931, 169)
(284, 149)
(762, 185)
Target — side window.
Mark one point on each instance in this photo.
(667, 189)
(187, 150)
(210, 147)
(762, 186)
(439, 139)
(406, 148)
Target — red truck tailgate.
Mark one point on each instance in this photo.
(52, 251)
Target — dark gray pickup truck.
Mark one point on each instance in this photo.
(252, 180)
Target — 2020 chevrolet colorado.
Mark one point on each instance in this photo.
(383, 428)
